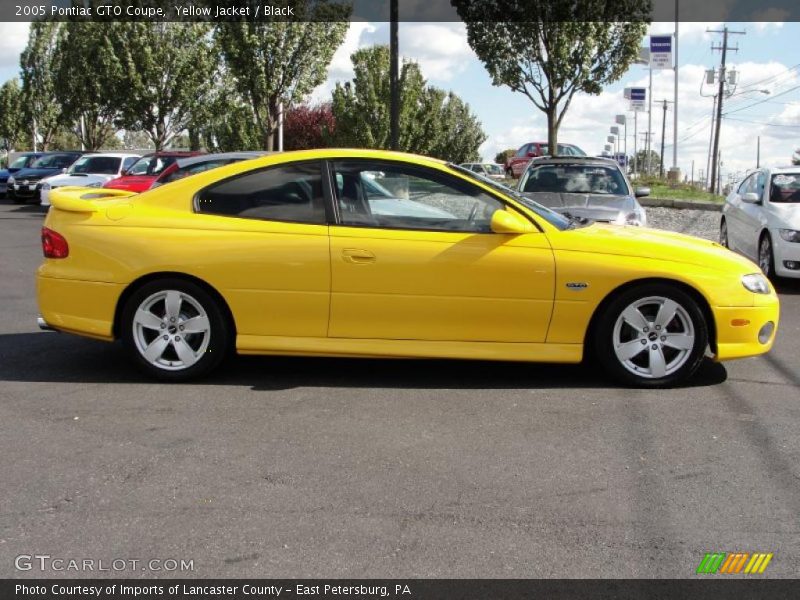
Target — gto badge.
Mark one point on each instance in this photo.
(577, 285)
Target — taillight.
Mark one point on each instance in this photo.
(53, 244)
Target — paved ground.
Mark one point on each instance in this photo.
(340, 468)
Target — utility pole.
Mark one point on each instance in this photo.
(758, 152)
(394, 77)
(675, 99)
(663, 132)
(720, 96)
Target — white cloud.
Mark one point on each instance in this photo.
(13, 38)
(341, 67)
(441, 49)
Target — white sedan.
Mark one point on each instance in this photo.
(91, 170)
(761, 219)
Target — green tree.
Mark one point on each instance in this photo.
(502, 157)
(167, 69)
(432, 121)
(549, 51)
(37, 67)
(136, 140)
(280, 61)
(88, 77)
(230, 124)
(12, 116)
(643, 166)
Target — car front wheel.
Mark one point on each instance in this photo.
(651, 336)
(765, 259)
(175, 330)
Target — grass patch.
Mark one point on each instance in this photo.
(660, 188)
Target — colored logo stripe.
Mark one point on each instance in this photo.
(722, 562)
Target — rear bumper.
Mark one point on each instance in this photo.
(738, 329)
(81, 307)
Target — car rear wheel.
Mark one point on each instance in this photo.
(765, 260)
(175, 330)
(651, 336)
(723, 233)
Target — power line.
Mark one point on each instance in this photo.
(760, 122)
(730, 112)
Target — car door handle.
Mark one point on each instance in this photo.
(357, 256)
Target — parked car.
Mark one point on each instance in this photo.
(585, 188)
(516, 164)
(25, 184)
(285, 255)
(92, 170)
(22, 161)
(184, 167)
(491, 170)
(146, 170)
(761, 219)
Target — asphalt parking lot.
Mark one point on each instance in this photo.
(358, 468)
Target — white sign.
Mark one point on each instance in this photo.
(637, 98)
(660, 51)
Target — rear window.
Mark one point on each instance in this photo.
(151, 165)
(54, 161)
(285, 193)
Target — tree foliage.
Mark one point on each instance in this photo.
(502, 157)
(432, 121)
(168, 70)
(549, 51)
(37, 67)
(280, 61)
(306, 127)
(89, 81)
(229, 124)
(13, 123)
(643, 166)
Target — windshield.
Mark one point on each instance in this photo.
(552, 217)
(151, 165)
(100, 165)
(54, 161)
(574, 179)
(785, 187)
(19, 163)
(494, 169)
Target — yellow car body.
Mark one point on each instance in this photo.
(533, 293)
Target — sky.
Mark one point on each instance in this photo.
(767, 60)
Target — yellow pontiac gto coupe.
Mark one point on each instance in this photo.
(381, 254)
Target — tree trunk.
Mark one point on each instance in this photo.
(552, 131)
(194, 139)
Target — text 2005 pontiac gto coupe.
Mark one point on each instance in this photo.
(379, 254)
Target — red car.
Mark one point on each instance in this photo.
(146, 170)
(515, 165)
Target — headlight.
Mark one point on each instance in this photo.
(10, 179)
(45, 186)
(790, 235)
(631, 218)
(756, 283)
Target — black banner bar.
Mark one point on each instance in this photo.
(409, 10)
(399, 589)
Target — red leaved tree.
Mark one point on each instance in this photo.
(307, 127)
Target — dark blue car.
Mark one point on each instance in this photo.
(25, 184)
(24, 160)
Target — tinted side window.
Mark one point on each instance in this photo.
(286, 193)
(400, 196)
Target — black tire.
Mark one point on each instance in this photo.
(207, 352)
(688, 325)
(766, 258)
(723, 233)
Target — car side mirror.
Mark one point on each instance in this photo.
(751, 198)
(504, 221)
(641, 192)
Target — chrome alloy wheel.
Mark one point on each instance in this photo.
(653, 337)
(171, 330)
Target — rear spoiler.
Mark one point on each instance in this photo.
(80, 199)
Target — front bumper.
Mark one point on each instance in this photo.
(784, 252)
(26, 192)
(738, 329)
